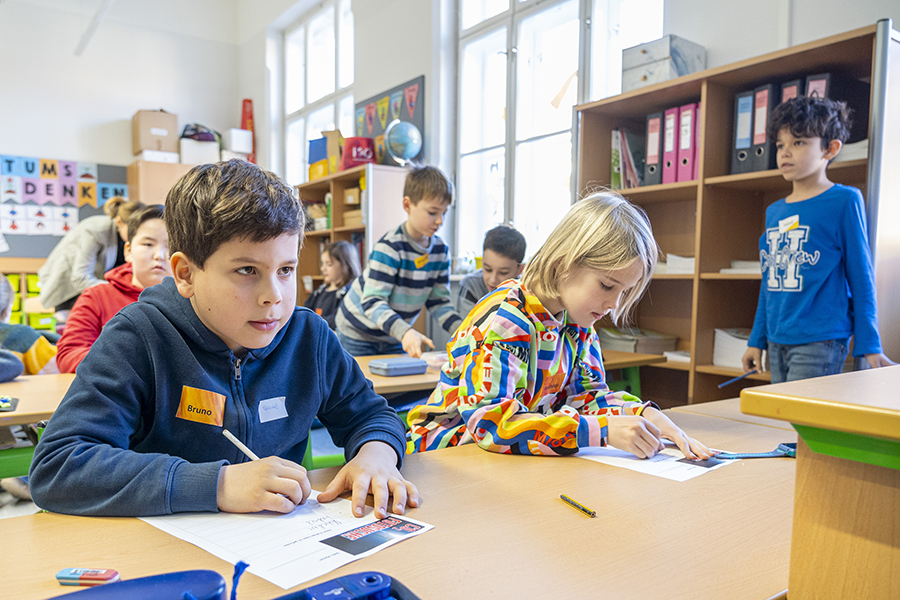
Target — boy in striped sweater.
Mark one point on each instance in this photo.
(408, 270)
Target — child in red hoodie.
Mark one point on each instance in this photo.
(147, 263)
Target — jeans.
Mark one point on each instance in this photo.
(361, 348)
(790, 362)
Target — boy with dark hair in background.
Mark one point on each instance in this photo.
(503, 256)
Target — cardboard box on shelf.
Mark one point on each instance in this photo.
(228, 155)
(158, 156)
(150, 182)
(238, 140)
(334, 141)
(154, 130)
(351, 196)
(660, 60)
(353, 218)
(199, 153)
(318, 169)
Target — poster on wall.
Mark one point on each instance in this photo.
(405, 102)
(42, 199)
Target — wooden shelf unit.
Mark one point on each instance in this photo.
(381, 201)
(722, 218)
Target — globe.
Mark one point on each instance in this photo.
(402, 141)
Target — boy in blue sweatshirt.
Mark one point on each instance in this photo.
(818, 288)
(221, 345)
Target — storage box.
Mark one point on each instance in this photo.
(357, 151)
(351, 196)
(32, 283)
(393, 367)
(228, 155)
(318, 169)
(642, 341)
(158, 156)
(353, 218)
(150, 182)
(14, 281)
(318, 150)
(194, 152)
(660, 60)
(333, 145)
(15, 318)
(42, 321)
(154, 130)
(238, 140)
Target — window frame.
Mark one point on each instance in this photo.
(334, 98)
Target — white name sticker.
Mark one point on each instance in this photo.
(788, 223)
(272, 409)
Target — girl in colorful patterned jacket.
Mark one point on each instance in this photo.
(525, 375)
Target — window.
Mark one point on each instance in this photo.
(318, 80)
(521, 71)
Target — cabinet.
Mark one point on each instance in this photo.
(22, 275)
(381, 203)
(721, 216)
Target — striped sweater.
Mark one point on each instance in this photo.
(518, 381)
(399, 280)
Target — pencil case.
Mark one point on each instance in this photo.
(393, 367)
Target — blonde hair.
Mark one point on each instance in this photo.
(119, 206)
(603, 231)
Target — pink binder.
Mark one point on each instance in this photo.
(670, 146)
(687, 118)
(697, 144)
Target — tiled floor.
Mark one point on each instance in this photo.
(10, 507)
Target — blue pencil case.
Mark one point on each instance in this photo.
(393, 367)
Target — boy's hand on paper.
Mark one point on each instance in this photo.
(634, 434)
(373, 470)
(271, 483)
(752, 359)
(878, 360)
(412, 343)
(690, 447)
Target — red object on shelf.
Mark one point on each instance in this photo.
(247, 123)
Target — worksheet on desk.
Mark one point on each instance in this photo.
(291, 549)
(665, 464)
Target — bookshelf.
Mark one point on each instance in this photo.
(720, 217)
(382, 208)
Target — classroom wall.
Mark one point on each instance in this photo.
(734, 31)
(167, 54)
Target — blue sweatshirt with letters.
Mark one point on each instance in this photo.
(139, 432)
(817, 279)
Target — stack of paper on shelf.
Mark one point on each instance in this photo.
(729, 346)
(678, 355)
(854, 151)
(743, 266)
(675, 264)
(642, 341)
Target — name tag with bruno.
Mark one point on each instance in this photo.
(201, 406)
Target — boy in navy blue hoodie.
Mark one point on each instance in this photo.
(219, 346)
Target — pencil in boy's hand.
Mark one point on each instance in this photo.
(730, 381)
(240, 445)
(578, 506)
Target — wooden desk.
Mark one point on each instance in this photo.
(729, 409)
(404, 383)
(846, 535)
(39, 396)
(502, 532)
